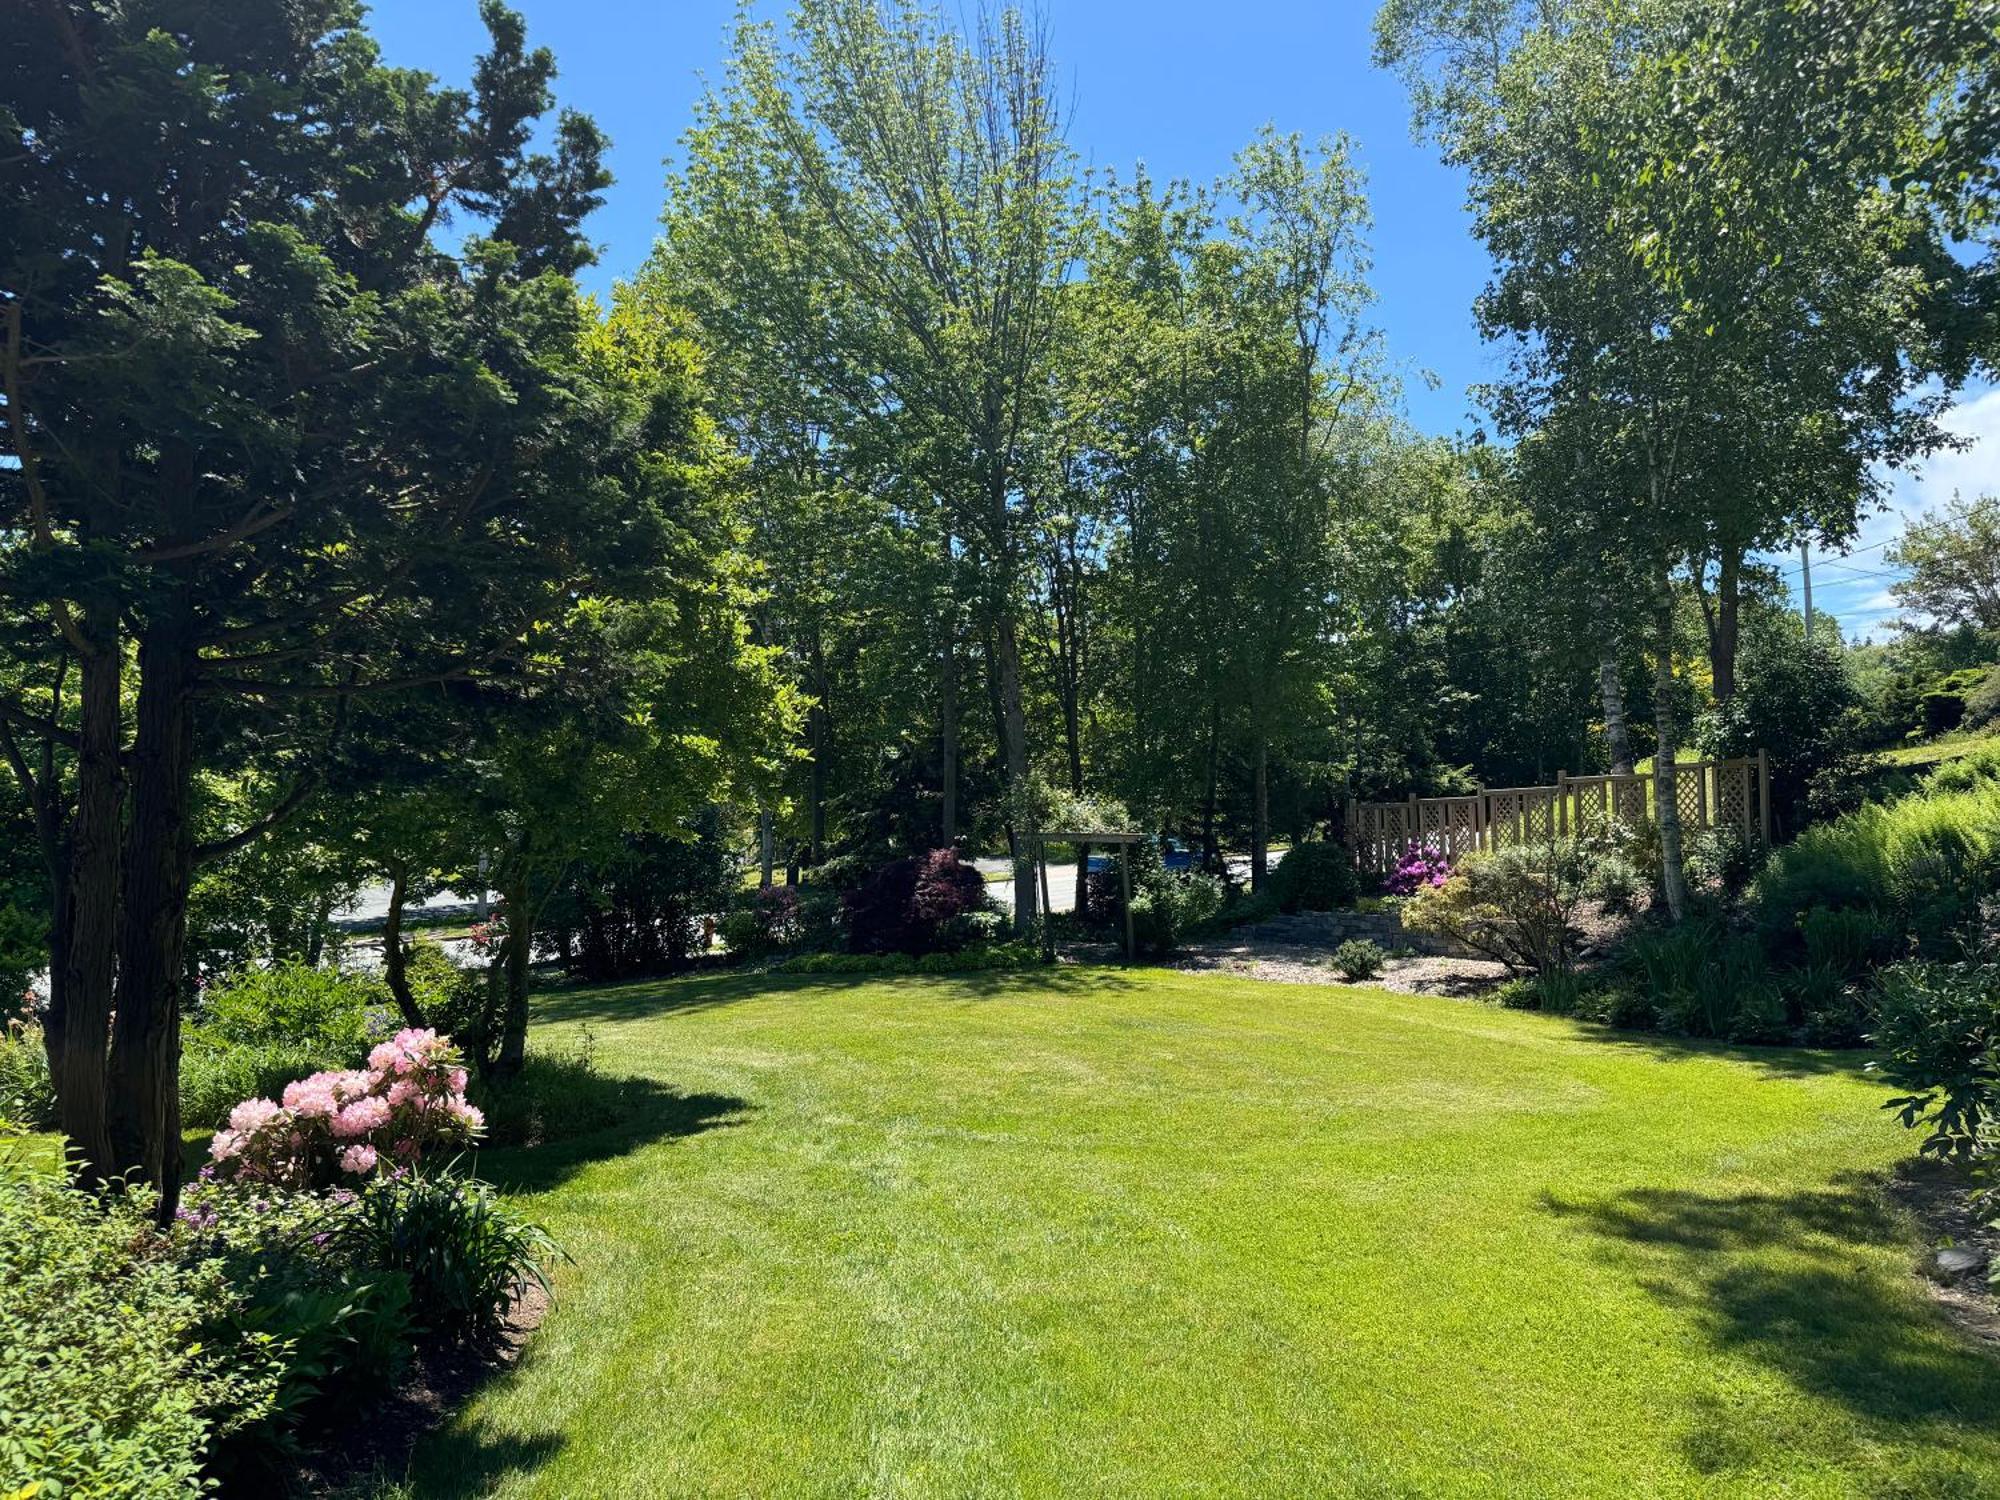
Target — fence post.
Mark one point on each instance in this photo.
(1561, 819)
(1764, 795)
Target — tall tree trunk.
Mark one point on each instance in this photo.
(1260, 813)
(767, 848)
(1617, 736)
(517, 954)
(143, 1095)
(394, 959)
(1666, 753)
(1723, 638)
(80, 1021)
(948, 745)
(1014, 726)
(1211, 849)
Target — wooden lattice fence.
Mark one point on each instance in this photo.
(1711, 794)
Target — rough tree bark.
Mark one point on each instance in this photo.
(1260, 813)
(1015, 728)
(143, 1078)
(517, 952)
(1721, 617)
(80, 1029)
(394, 958)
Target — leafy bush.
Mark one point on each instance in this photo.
(217, 1076)
(106, 1381)
(639, 911)
(1967, 772)
(1698, 980)
(762, 922)
(1938, 1027)
(1358, 959)
(295, 1005)
(27, 1093)
(466, 1254)
(1166, 910)
(1798, 701)
(913, 905)
(1316, 875)
(1982, 701)
(1518, 905)
(1848, 940)
(409, 1101)
(1925, 861)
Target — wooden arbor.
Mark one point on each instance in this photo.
(1040, 842)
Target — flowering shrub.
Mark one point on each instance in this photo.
(408, 1101)
(1419, 869)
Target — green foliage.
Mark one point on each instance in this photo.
(638, 910)
(998, 956)
(27, 1092)
(265, 1027)
(106, 1379)
(1938, 1028)
(1926, 862)
(1982, 702)
(1358, 959)
(1316, 875)
(1951, 563)
(557, 1095)
(24, 949)
(217, 1076)
(1518, 905)
(1796, 701)
(1700, 980)
(319, 1009)
(1168, 908)
(466, 1254)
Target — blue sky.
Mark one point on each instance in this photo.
(1181, 86)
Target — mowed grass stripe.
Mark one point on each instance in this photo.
(1155, 1233)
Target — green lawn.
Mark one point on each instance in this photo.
(1154, 1234)
(1934, 752)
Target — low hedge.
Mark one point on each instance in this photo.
(966, 961)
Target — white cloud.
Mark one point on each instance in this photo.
(1855, 587)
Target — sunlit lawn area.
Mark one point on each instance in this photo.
(1152, 1233)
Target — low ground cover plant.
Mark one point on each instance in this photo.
(1358, 959)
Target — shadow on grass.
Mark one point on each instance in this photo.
(463, 1460)
(1774, 1276)
(619, 1116)
(1784, 1062)
(638, 999)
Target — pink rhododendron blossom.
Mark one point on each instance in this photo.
(358, 1159)
(408, 1101)
(360, 1117)
(252, 1115)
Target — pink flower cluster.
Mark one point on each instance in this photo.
(410, 1099)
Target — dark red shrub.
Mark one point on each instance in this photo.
(912, 905)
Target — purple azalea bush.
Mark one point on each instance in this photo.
(1418, 869)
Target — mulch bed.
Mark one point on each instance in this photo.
(438, 1383)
